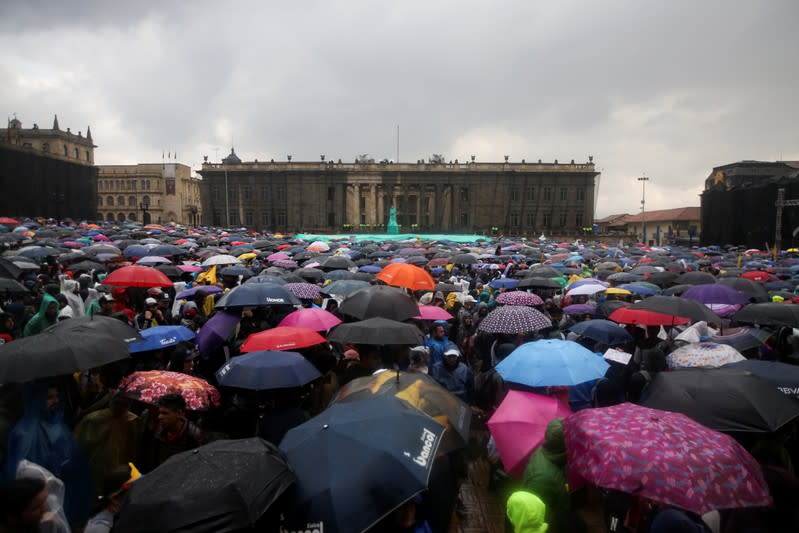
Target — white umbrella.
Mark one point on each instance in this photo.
(589, 289)
(153, 260)
(221, 259)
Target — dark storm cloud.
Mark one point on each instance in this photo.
(670, 89)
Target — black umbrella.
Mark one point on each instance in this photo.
(662, 279)
(676, 290)
(170, 271)
(69, 346)
(344, 287)
(377, 331)
(783, 376)
(311, 274)
(723, 399)
(9, 269)
(543, 272)
(606, 308)
(380, 301)
(539, 283)
(86, 266)
(167, 250)
(337, 262)
(338, 275)
(464, 259)
(446, 288)
(769, 314)
(257, 295)
(267, 279)
(754, 290)
(223, 486)
(356, 462)
(12, 286)
(675, 306)
(695, 278)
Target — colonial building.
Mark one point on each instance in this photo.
(47, 172)
(54, 142)
(681, 224)
(326, 196)
(150, 193)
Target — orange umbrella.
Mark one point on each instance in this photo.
(406, 275)
(282, 338)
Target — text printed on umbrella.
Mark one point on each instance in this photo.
(429, 440)
(315, 527)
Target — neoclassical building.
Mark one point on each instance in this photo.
(457, 197)
(53, 142)
(149, 193)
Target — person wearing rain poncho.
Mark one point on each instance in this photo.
(47, 316)
(71, 289)
(42, 437)
(526, 513)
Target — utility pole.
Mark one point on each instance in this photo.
(643, 180)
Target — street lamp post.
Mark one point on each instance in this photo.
(144, 206)
(643, 180)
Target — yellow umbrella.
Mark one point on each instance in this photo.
(247, 256)
(616, 290)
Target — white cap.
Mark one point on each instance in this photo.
(452, 351)
(150, 301)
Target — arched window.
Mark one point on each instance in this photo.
(77, 153)
(131, 216)
(99, 201)
(46, 147)
(110, 217)
(109, 201)
(146, 200)
(66, 151)
(132, 201)
(121, 201)
(121, 217)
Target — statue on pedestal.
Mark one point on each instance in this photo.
(392, 228)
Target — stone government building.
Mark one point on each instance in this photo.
(461, 197)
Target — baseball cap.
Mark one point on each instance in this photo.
(150, 301)
(452, 351)
(108, 297)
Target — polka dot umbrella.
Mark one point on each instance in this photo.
(513, 319)
(519, 298)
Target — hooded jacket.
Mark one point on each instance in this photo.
(526, 512)
(39, 322)
(545, 476)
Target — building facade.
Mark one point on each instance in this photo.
(148, 193)
(326, 196)
(55, 143)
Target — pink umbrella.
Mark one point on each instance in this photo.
(279, 256)
(431, 312)
(190, 268)
(519, 298)
(518, 426)
(100, 237)
(312, 318)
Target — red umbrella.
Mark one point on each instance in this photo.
(432, 312)
(406, 275)
(9, 221)
(757, 275)
(282, 338)
(311, 318)
(625, 315)
(152, 385)
(137, 276)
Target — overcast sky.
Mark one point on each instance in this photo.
(665, 88)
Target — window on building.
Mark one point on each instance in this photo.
(46, 147)
(547, 220)
(109, 201)
(363, 218)
(145, 200)
(564, 194)
(77, 156)
(331, 194)
(265, 219)
(248, 218)
(281, 219)
(132, 201)
(147, 184)
(562, 221)
(362, 206)
(247, 192)
(547, 194)
(120, 200)
(264, 193)
(580, 194)
(578, 220)
(514, 194)
(99, 201)
(464, 194)
(529, 194)
(142, 184)
(530, 220)
(514, 220)
(66, 154)
(110, 217)
(131, 216)
(464, 219)
(331, 220)
(280, 192)
(215, 192)
(87, 159)
(121, 217)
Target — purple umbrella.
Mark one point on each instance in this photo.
(304, 291)
(214, 332)
(519, 298)
(715, 294)
(188, 293)
(579, 309)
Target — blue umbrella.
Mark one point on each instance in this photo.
(549, 363)
(236, 271)
(267, 370)
(639, 289)
(604, 331)
(188, 293)
(356, 462)
(159, 337)
(136, 250)
(504, 283)
(373, 269)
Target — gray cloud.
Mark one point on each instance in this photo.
(670, 89)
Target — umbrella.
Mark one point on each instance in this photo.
(303, 291)
(408, 276)
(539, 283)
(785, 377)
(256, 295)
(38, 252)
(312, 274)
(86, 266)
(518, 426)
(432, 312)
(723, 399)
(742, 339)
(339, 275)
(312, 318)
(152, 260)
(236, 271)
(696, 278)
(12, 286)
(550, 362)
(282, 338)
(220, 487)
(715, 294)
(379, 301)
(677, 307)
(514, 319)
(703, 355)
(265, 370)
(377, 331)
(463, 259)
(603, 331)
(356, 462)
(344, 287)
(152, 385)
(580, 309)
(188, 293)
(9, 270)
(221, 259)
(504, 283)
(137, 276)
(664, 457)
(589, 289)
(769, 314)
(213, 333)
(267, 278)
(8, 221)
(753, 290)
(519, 298)
(64, 348)
(168, 250)
(159, 337)
(337, 262)
(628, 315)
(422, 392)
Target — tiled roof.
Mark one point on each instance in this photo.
(611, 218)
(666, 215)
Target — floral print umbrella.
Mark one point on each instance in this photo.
(519, 298)
(303, 291)
(665, 457)
(152, 385)
(703, 355)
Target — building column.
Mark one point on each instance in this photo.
(371, 205)
(381, 208)
(352, 205)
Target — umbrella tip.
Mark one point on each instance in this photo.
(325, 426)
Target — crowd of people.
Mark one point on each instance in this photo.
(91, 439)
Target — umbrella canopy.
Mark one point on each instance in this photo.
(519, 298)
(422, 392)
(723, 399)
(188, 293)
(432, 312)
(137, 276)
(514, 319)
(221, 259)
(344, 287)
(12, 286)
(377, 331)
(152, 260)
(152, 385)
(678, 307)
(715, 294)
(551, 362)
(753, 290)
(337, 262)
(69, 346)
(769, 314)
(628, 315)
(264, 370)
(784, 377)
(604, 331)
(703, 355)
(256, 295)
(214, 332)
(282, 338)
(580, 309)
(408, 276)
(696, 278)
(312, 318)
(743, 338)
(303, 291)
(588, 289)
(518, 426)
(356, 462)
(539, 283)
(220, 487)
(379, 301)
(665, 457)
